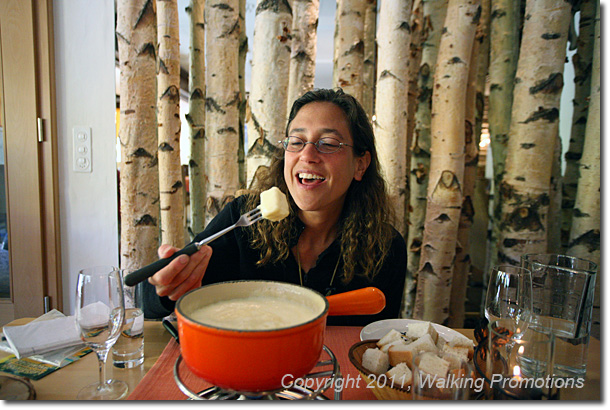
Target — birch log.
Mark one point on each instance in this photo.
(445, 186)
(305, 15)
(243, 100)
(370, 57)
(349, 46)
(503, 56)
(461, 267)
(534, 125)
(268, 90)
(582, 62)
(139, 175)
(391, 108)
(433, 18)
(586, 222)
(171, 188)
(222, 103)
(196, 115)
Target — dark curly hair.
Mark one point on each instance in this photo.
(364, 227)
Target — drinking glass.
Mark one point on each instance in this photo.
(100, 311)
(128, 351)
(509, 296)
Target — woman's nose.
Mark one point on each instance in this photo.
(310, 152)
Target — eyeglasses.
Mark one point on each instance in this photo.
(326, 145)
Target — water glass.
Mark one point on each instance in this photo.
(562, 291)
(128, 351)
(441, 377)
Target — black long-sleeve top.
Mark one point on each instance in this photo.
(234, 259)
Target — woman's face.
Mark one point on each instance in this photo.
(317, 181)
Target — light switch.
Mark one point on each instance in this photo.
(82, 149)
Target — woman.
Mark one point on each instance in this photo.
(338, 235)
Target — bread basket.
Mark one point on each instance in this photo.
(381, 387)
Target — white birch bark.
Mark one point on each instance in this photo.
(349, 46)
(222, 103)
(433, 19)
(391, 108)
(243, 100)
(369, 71)
(196, 115)
(305, 15)
(268, 91)
(171, 187)
(139, 176)
(534, 125)
(446, 182)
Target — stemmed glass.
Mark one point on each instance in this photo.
(100, 310)
(509, 296)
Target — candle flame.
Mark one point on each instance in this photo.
(516, 371)
(521, 350)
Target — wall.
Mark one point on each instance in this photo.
(84, 63)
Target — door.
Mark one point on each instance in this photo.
(29, 237)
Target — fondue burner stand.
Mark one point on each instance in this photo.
(294, 392)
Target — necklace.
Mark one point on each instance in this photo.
(329, 289)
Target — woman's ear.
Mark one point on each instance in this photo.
(362, 163)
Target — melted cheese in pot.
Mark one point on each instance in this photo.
(254, 313)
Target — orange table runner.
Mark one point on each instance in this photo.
(159, 383)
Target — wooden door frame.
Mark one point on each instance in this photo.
(28, 88)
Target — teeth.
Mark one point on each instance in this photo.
(309, 176)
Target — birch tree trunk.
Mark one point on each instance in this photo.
(349, 46)
(370, 57)
(196, 115)
(391, 108)
(416, 23)
(534, 125)
(445, 188)
(139, 175)
(503, 56)
(582, 61)
(461, 269)
(433, 18)
(305, 15)
(243, 101)
(269, 85)
(586, 222)
(553, 236)
(171, 188)
(222, 103)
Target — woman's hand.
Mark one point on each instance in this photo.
(182, 274)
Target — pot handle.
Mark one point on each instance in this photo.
(365, 301)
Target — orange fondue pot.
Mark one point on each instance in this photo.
(262, 360)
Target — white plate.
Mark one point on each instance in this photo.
(377, 330)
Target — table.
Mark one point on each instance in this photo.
(154, 380)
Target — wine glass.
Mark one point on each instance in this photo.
(100, 310)
(509, 297)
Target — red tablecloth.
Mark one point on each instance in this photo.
(159, 383)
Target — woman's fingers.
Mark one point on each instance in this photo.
(192, 274)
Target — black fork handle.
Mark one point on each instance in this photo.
(147, 271)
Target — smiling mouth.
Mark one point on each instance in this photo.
(310, 179)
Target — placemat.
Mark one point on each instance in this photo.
(159, 383)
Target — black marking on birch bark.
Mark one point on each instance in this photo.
(276, 6)
(148, 50)
(468, 209)
(497, 14)
(235, 100)
(172, 94)
(427, 268)
(444, 30)
(127, 112)
(300, 56)
(577, 213)
(527, 145)
(356, 48)
(146, 220)
(589, 239)
(520, 178)
(243, 46)
(141, 153)
(222, 6)
(122, 37)
(387, 73)
(456, 60)
(424, 71)
(193, 163)
(162, 67)
(231, 31)
(226, 130)
(549, 114)
(477, 15)
(148, 7)
(425, 94)
(505, 259)
(573, 156)
(420, 172)
(442, 218)
(404, 26)
(200, 134)
(212, 106)
(415, 245)
(197, 94)
(525, 218)
(263, 148)
(552, 85)
(494, 87)
(551, 36)
(164, 147)
(581, 120)
(177, 185)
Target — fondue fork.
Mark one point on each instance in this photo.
(139, 275)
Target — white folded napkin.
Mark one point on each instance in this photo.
(42, 336)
